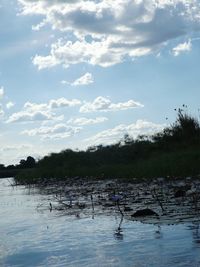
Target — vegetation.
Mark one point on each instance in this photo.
(173, 152)
(13, 170)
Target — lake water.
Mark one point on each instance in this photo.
(37, 237)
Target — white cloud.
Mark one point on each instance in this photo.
(1, 96)
(1, 111)
(16, 148)
(39, 26)
(125, 105)
(9, 105)
(107, 32)
(102, 53)
(13, 153)
(64, 82)
(25, 116)
(99, 104)
(86, 79)
(58, 131)
(181, 48)
(115, 134)
(63, 102)
(42, 112)
(104, 104)
(1, 92)
(86, 121)
(45, 62)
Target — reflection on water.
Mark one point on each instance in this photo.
(119, 232)
(31, 238)
(195, 228)
(158, 232)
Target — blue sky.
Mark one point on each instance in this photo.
(80, 73)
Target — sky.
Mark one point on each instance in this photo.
(78, 73)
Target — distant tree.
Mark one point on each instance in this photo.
(10, 167)
(91, 149)
(28, 163)
(2, 166)
(127, 139)
(22, 163)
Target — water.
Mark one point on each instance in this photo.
(31, 237)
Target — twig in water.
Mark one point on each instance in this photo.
(155, 196)
(50, 207)
(119, 233)
(10, 182)
(119, 208)
(92, 202)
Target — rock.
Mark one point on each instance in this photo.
(144, 212)
(180, 193)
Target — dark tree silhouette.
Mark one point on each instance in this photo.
(28, 163)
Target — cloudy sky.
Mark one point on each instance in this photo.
(76, 73)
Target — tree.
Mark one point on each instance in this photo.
(28, 163)
(2, 166)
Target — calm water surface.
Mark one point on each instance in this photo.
(29, 237)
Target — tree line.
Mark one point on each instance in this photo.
(173, 152)
(13, 170)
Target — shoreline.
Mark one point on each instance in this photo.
(172, 201)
